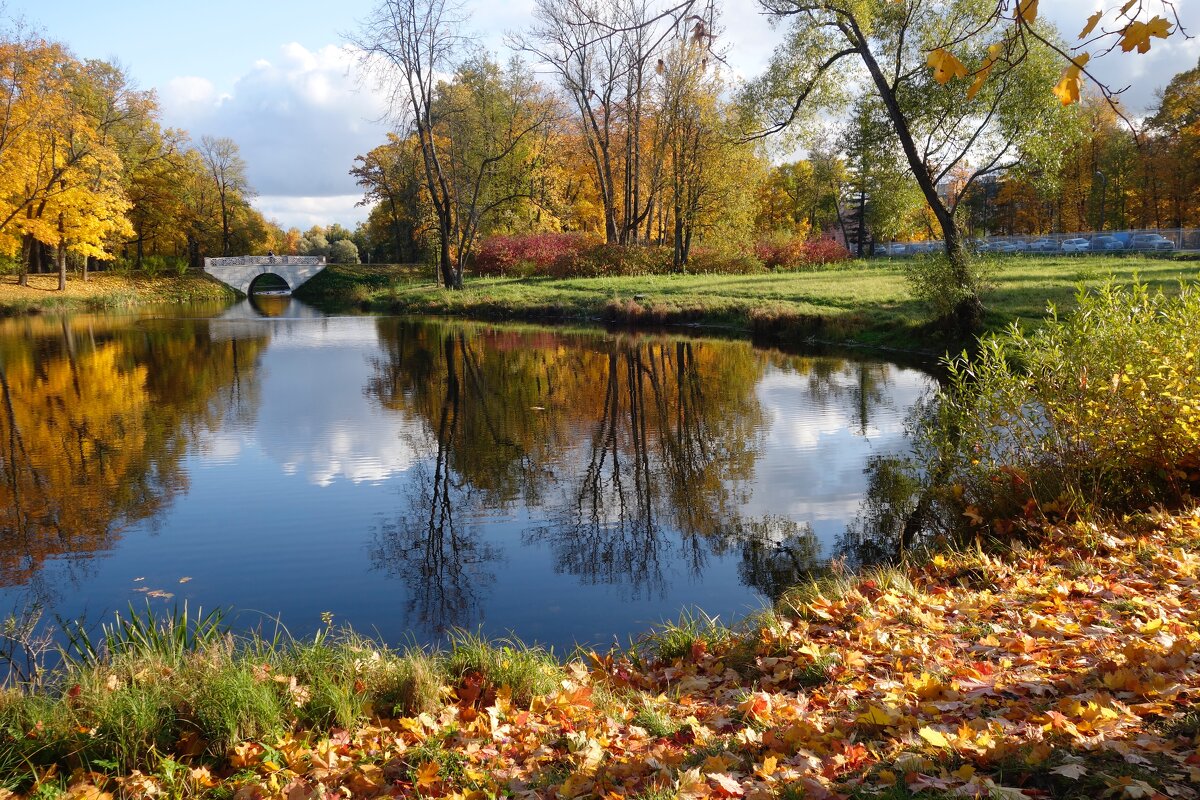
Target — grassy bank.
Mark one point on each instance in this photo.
(1066, 671)
(107, 290)
(866, 302)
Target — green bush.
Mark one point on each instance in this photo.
(1097, 412)
(935, 282)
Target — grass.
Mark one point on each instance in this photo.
(866, 302)
(105, 290)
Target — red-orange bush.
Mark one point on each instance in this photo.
(527, 254)
(794, 254)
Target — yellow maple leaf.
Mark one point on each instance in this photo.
(1092, 22)
(934, 737)
(982, 75)
(1027, 10)
(874, 715)
(945, 66)
(1137, 34)
(1071, 84)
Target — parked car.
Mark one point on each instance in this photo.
(1150, 241)
(1077, 245)
(1043, 246)
(920, 248)
(1021, 246)
(999, 246)
(894, 250)
(1107, 243)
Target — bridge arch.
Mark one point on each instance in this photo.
(268, 282)
(241, 272)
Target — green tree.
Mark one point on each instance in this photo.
(943, 126)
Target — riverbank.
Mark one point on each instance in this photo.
(1068, 669)
(107, 290)
(856, 302)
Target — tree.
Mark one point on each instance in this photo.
(343, 251)
(227, 170)
(604, 54)
(408, 43)
(882, 199)
(941, 125)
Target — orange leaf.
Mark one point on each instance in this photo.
(427, 775)
(1092, 22)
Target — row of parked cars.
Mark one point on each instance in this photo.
(1114, 242)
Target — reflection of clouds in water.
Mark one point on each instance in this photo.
(354, 453)
(218, 448)
(813, 469)
(313, 419)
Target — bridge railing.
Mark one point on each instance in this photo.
(264, 261)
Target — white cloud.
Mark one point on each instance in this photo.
(299, 120)
(304, 212)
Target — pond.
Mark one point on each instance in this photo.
(410, 475)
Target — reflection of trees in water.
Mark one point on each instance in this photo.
(637, 450)
(874, 535)
(95, 420)
(440, 558)
(861, 386)
(776, 553)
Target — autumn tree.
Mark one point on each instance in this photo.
(227, 171)
(942, 125)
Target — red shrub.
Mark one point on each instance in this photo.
(793, 254)
(526, 254)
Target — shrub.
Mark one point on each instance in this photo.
(781, 253)
(933, 280)
(603, 260)
(526, 254)
(723, 262)
(1098, 412)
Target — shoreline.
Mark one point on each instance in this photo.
(974, 672)
(107, 290)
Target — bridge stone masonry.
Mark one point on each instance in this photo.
(240, 272)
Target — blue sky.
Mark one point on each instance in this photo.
(275, 76)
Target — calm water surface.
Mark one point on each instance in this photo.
(409, 475)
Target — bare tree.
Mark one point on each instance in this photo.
(604, 53)
(407, 43)
(227, 169)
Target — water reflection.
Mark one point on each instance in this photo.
(416, 475)
(96, 418)
(637, 455)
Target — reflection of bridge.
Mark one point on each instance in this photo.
(241, 272)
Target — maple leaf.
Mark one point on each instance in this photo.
(1069, 86)
(1092, 22)
(427, 775)
(874, 715)
(726, 784)
(1072, 771)
(980, 77)
(1027, 10)
(945, 66)
(1137, 34)
(934, 737)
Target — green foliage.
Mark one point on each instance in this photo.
(942, 286)
(693, 630)
(656, 722)
(227, 701)
(526, 671)
(1098, 411)
(148, 634)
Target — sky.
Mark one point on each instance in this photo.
(277, 77)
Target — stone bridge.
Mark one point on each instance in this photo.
(241, 272)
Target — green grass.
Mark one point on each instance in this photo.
(867, 302)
